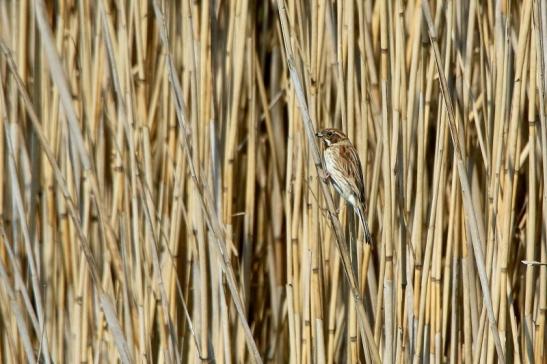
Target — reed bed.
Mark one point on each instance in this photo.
(160, 198)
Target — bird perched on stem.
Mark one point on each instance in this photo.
(343, 168)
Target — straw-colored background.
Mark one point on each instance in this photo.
(160, 199)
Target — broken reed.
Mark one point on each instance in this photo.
(160, 201)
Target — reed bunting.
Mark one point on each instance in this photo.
(343, 167)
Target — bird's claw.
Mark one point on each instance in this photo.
(324, 175)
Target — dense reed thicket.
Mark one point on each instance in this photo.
(160, 198)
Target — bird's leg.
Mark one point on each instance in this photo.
(324, 175)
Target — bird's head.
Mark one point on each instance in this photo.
(331, 136)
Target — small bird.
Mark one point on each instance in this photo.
(343, 167)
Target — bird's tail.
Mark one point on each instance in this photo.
(364, 224)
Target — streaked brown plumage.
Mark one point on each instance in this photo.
(343, 167)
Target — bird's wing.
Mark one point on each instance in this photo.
(347, 172)
(354, 164)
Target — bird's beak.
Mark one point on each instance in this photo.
(319, 134)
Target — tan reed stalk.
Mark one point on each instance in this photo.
(387, 281)
(510, 175)
(527, 331)
(541, 28)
